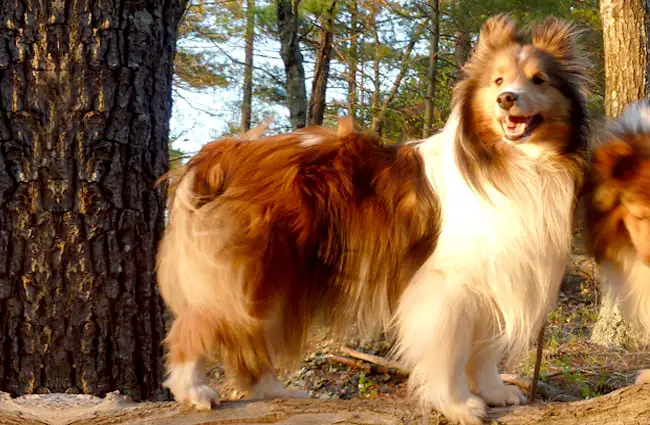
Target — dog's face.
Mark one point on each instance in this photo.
(621, 173)
(526, 93)
(520, 96)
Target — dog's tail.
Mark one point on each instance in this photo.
(194, 271)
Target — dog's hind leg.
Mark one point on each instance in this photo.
(190, 339)
(247, 360)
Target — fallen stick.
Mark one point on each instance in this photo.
(357, 364)
(376, 360)
(365, 366)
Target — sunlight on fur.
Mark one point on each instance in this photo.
(456, 244)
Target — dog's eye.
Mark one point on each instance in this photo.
(537, 79)
(498, 81)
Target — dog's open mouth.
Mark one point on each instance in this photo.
(517, 127)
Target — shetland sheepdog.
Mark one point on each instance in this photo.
(617, 213)
(456, 243)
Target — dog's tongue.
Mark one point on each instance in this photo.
(517, 120)
(516, 125)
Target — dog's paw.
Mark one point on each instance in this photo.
(471, 412)
(643, 377)
(200, 396)
(507, 395)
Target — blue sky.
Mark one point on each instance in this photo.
(200, 116)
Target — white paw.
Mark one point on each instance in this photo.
(472, 412)
(200, 396)
(507, 395)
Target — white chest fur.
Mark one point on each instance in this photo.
(511, 251)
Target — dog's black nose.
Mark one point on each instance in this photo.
(506, 100)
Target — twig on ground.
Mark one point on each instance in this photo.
(393, 368)
(364, 366)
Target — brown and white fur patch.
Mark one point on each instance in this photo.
(617, 207)
(457, 244)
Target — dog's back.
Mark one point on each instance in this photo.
(267, 235)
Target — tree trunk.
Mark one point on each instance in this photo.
(462, 47)
(84, 123)
(317, 101)
(375, 100)
(462, 40)
(432, 70)
(354, 58)
(625, 36)
(627, 406)
(378, 119)
(287, 14)
(247, 99)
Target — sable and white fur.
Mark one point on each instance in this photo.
(457, 243)
(617, 207)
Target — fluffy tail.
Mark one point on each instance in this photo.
(193, 269)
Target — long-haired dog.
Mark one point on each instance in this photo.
(458, 243)
(617, 213)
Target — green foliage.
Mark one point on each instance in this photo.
(211, 45)
(198, 71)
(367, 388)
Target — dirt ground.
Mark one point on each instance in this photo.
(573, 369)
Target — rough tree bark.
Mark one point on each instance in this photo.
(625, 35)
(317, 100)
(85, 100)
(247, 99)
(432, 70)
(287, 14)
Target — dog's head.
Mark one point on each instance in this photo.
(523, 91)
(621, 178)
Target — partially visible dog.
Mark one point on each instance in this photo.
(457, 244)
(617, 206)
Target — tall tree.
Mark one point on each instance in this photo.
(287, 15)
(432, 70)
(353, 59)
(86, 101)
(462, 40)
(405, 62)
(317, 100)
(247, 100)
(625, 37)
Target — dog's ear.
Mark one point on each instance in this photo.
(257, 131)
(557, 37)
(616, 160)
(498, 31)
(346, 126)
